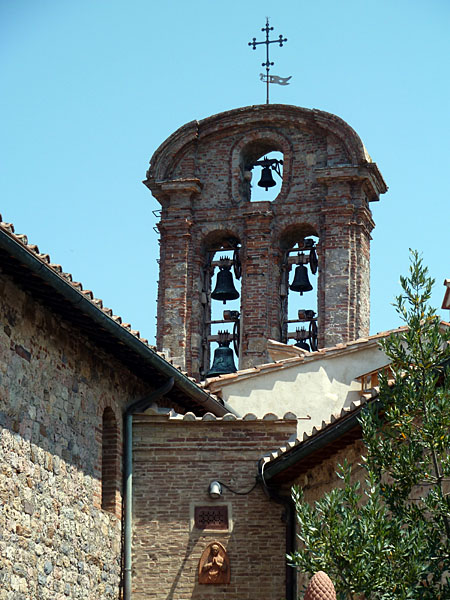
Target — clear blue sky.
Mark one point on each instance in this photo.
(90, 88)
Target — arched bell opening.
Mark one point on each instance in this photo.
(261, 165)
(221, 301)
(299, 287)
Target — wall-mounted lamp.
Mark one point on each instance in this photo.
(215, 490)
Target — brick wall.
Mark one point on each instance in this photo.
(328, 181)
(55, 540)
(174, 462)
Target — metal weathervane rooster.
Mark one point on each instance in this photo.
(267, 78)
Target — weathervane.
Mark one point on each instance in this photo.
(270, 78)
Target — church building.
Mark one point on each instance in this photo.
(139, 472)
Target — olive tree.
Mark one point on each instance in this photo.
(390, 538)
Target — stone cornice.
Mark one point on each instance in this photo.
(368, 172)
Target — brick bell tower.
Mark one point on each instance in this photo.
(209, 222)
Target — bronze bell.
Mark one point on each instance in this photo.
(302, 344)
(301, 336)
(301, 281)
(225, 289)
(266, 180)
(223, 362)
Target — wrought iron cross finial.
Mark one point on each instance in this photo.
(267, 64)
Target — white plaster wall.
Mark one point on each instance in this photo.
(312, 390)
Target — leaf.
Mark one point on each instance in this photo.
(388, 537)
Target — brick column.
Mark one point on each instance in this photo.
(258, 292)
(175, 282)
(361, 226)
(334, 281)
(344, 267)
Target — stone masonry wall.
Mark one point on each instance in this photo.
(55, 540)
(322, 478)
(174, 462)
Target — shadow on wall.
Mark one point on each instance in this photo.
(193, 540)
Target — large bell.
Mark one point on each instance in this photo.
(301, 281)
(225, 289)
(266, 180)
(223, 361)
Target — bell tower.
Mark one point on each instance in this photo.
(320, 222)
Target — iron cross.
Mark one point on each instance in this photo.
(267, 64)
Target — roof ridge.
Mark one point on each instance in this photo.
(269, 417)
(22, 239)
(290, 361)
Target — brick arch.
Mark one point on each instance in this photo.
(213, 242)
(252, 146)
(287, 238)
(167, 156)
(111, 476)
(215, 237)
(294, 233)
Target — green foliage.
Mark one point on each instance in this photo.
(391, 540)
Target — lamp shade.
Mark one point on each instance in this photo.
(215, 489)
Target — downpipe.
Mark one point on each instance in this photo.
(137, 406)
(291, 537)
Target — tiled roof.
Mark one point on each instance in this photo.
(45, 258)
(330, 422)
(215, 383)
(289, 416)
(22, 240)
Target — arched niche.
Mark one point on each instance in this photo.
(251, 148)
(214, 565)
(111, 476)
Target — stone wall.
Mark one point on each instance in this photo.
(322, 478)
(174, 462)
(55, 540)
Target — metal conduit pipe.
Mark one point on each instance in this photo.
(137, 406)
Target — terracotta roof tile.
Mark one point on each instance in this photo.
(231, 417)
(215, 383)
(319, 428)
(22, 239)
